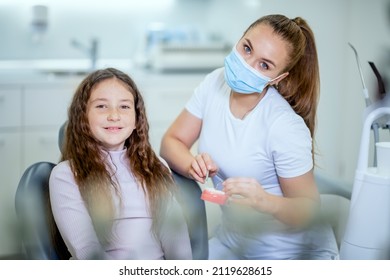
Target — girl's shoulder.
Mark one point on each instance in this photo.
(61, 169)
(61, 176)
(62, 165)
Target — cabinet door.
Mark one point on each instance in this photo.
(10, 174)
(46, 105)
(165, 97)
(10, 107)
(41, 145)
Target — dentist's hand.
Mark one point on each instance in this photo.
(201, 166)
(250, 193)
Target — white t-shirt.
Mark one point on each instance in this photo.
(271, 141)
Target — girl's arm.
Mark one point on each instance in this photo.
(72, 217)
(174, 234)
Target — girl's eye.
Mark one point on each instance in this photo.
(125, 107)
(101, 106)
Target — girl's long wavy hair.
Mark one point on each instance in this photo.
(301, 87)
(93, 176)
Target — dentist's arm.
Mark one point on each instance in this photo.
(176, 147)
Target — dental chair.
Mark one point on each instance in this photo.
(335, 203)
(31, 202)
(33, 212)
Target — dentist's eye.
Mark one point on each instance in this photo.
(264, 65)
(247, 49)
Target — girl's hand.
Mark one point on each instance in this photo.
(249, 192)
(202, 167)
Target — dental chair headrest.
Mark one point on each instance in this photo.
(61, 136)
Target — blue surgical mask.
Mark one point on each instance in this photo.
(241, 77)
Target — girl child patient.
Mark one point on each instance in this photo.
(111, 196)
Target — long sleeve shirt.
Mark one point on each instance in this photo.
(132, 237)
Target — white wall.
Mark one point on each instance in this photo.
(368, 30)
(120, 26)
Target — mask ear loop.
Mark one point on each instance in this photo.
(281, 77)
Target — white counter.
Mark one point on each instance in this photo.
(53, 70)
(71, 71)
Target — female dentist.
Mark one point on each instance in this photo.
(255, 122)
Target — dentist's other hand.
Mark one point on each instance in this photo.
(248, 192)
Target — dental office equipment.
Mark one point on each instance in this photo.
(91, 51)
(367, 234)
(365, 91)
(207, 176)
(382, 122)
(214, 194)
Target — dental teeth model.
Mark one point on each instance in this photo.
(214, 196)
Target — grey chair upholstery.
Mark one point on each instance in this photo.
(195, 213)
(31, 202)
(34, 215)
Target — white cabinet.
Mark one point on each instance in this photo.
(40, 145)
(10, 107)
(46, 105)
(10, 164)
(44, 111)
(10, 158)
(30, 118)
